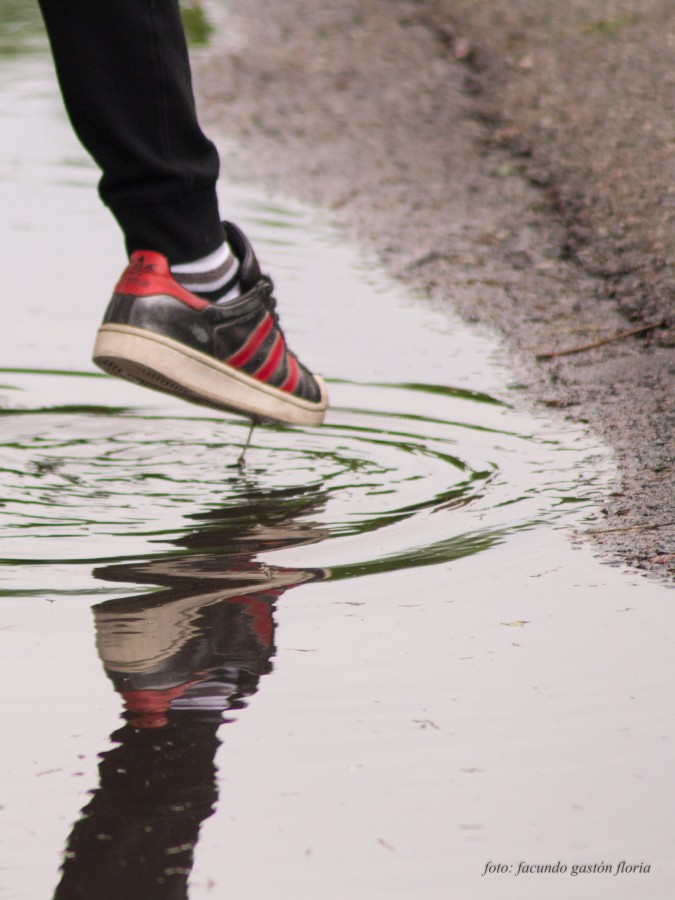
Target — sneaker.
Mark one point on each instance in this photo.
(229, 355)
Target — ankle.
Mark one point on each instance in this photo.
(213, 277)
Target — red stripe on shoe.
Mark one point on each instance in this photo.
(242, 356)
(293, 375)
(259, 608)
(148, 273)
(273, 360)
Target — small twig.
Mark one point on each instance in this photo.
(631, 528)
(599, 343)
(489, 282)
(574, 329)
(386, 845)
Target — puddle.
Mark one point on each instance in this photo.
(365, 663)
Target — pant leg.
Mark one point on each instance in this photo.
(125, 77)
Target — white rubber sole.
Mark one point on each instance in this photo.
(163, 364)
(138, 649)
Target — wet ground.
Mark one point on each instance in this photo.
(364, 663)
(512, 163)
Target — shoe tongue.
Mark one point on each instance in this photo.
(249, 268)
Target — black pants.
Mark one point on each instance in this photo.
(125, 77)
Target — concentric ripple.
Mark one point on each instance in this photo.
(400, 476)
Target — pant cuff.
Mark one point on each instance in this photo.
(183, 229)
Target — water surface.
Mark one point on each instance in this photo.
(360, 665)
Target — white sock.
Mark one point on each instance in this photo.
(215, 276)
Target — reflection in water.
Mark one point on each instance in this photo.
(22, 29)
(198, 28)
(408, 475)
(136, 837)
(180, 657)
(411, 476)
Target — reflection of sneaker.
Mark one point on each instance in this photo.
(145, 635)
(198, 644)
(231, 355)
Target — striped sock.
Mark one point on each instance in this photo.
(214, 277)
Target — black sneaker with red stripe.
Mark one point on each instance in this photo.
(231, 355)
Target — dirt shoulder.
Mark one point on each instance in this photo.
(516, 164)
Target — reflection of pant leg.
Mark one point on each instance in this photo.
(125, 76)
(135, 839)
